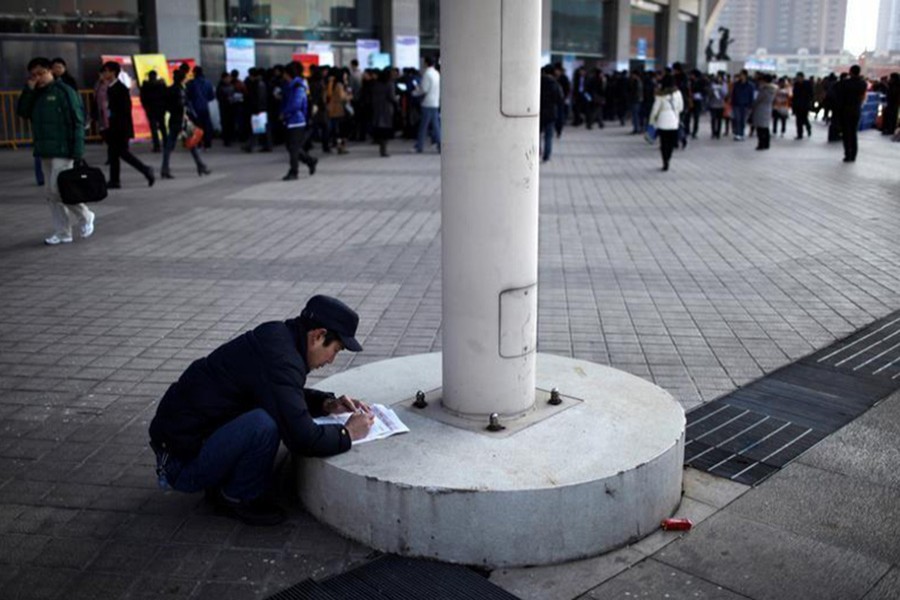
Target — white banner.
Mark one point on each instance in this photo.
(325, 52)
(240, 54)
(364, 51)
(406, 51)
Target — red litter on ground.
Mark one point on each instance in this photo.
(676, 524)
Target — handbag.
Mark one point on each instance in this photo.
(258, 122)
(193, 135)
(82, 183)
(650, 134)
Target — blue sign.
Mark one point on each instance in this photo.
(641, 48)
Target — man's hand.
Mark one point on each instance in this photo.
(32, 82)
(345, 404)
(359, 424)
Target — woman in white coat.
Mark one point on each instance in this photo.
(667, 106)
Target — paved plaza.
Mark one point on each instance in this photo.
(701, 279)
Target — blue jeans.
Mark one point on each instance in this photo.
(548, 141)
(169, 143)
(637, 120)
(239, 458)
(739, 116)
(430, 117)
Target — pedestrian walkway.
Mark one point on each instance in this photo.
(701, 279)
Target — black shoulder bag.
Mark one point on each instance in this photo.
(81, 183)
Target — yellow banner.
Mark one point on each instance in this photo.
(144, 63)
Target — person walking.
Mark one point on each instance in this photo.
(715, 100)
(153, 99)
(849, 94)
(57, 125)
(889, 120)
(761, 116)
(121, 128)
(666, 117)
(199, 93)
(781, 107)
(384, 105)
(257, 104)
(801, 104)
(551, 99)
(337, 97)
(176, 106)
(741, 103)
(294, 116)
(430, 92)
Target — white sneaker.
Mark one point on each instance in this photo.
(57, 238)
(87, 228)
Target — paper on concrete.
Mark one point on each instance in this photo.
(386, 424)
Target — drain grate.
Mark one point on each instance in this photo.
(753, 432)
(396, 578)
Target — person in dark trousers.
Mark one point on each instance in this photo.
(225, 99)
(761, 115)
(57, 128)
(295, 119)
(889, 119)
(565, 85)
(384, 106)
(219, 426)
(741, 98)
(665, 115)
(121, 128)
(551, 98)
(801, 104)
(849, 95)
(176, 106)
(200, 93)
(257, 103)
(153, 99)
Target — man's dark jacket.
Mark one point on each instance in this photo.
(121, 127)
(802, 99)
(263, 368)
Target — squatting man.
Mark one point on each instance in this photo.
(217, 429)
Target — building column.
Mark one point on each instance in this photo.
(702, 40)
(173, 28)
(402, 19)
(546, 26)
(622, 50)
(671, 29)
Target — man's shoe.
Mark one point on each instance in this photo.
(151, 177)
(312, 167)
(87, 228)
(291, 176)
(57, 239)
(113, 185)
(848, 159)
(257, 512)
(167, 175)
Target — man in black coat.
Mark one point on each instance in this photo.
(801, 103)
(153, 99)
(121, 127)
(219, 426)
(849, 95)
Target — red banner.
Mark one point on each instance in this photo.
(174, 63)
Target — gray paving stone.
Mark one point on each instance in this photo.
(764, 562)
(849, 512)
(886, 589)
(651, 579)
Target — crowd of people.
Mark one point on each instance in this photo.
(333, 107)
(673, 101)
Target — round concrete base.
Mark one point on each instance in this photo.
(599, 472)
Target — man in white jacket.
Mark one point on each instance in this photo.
(430, 91)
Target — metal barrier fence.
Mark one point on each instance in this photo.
(15, 131)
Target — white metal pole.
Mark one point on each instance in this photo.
(490, 96)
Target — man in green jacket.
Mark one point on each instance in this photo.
(57, 127)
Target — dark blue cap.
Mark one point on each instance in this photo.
(335, 316)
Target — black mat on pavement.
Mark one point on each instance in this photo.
(753, 432)
(397, 578)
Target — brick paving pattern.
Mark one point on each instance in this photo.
(701, 279)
